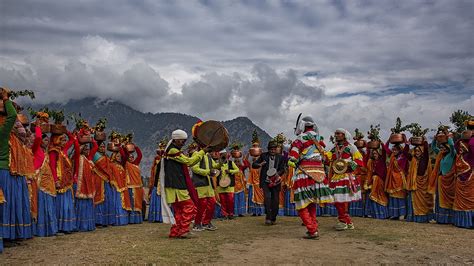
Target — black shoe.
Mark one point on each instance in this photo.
(230, 217)
(241, 215)
(268, 222)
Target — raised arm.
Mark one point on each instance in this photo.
(386, 147)
(69, 143)
(53, 162)
(257, 163)
(7, 127)
(94, 150)
(139, 156)
(37, 141)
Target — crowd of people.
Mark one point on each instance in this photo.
(55, 182)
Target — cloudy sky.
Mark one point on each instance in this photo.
(347, 63)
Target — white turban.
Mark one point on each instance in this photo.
(223, 151)
(348, 138)
(179, 134)
(345, 132)
(306, 121)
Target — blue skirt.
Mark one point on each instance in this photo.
(356, 208)
(375, 210)
(396, 207)
(154, 210)
(253, 208)
(105, 211)
(65, 211)
(442, 215)
(290, 209)
(47, 222)
(464, 219)
(239, 203)
(328, 210)
(217, 211)
(15, 219)
(121, 215)
(411, 217)
(135, 217)
(85, 215)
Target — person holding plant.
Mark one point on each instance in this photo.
(420, 203)
(443, 179)
(464, 192)
(396, 172)
(15, 216)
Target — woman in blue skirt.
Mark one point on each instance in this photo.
(15, 217)
(47, 221)
(85, 187)
(154, 193)
(63, 172)
(104, 210)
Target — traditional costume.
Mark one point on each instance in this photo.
(47, 221)
(240, 202)
(207, 198)
(255, 196)
(396, 178)
(228, 169)
(420, 203)
(15, 216)
(63, 173)
(154, 195)
(290, 209)
(177, 188)
(310, 183)
(443, 182)
(357, 208)
(119, 190)
(135, 185)
(85, 190)
(344, 159)
(377, 200)
(464, 195)
(104, 200)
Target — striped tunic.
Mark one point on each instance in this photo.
(304, 152)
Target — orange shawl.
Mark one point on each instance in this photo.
(33, 194)
(376, 186)
(446, 184)
(85, 179)
(117, 177)
(64, 171)
(254, 181)
(395, 181)
(45, 178)
(239, 182)
(2, 196)
(464, 199)
(133, 175)
(21, 158)
(137, 199)
(423, 201)
(289, 183)
(412, 174)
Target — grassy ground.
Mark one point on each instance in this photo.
(247, 240)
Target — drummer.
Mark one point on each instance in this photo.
(226, 183)
(177, 191)
(272, 166)
(202, 173)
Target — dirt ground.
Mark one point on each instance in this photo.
(247, 240)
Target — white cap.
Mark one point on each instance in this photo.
(179, 134)
(223, 151)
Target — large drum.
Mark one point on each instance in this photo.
(212, 134)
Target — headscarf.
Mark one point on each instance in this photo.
(348, 137)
